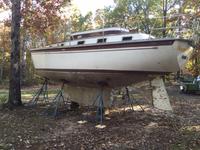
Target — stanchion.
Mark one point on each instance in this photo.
(42, 91)
(131, 101)
(53, 108)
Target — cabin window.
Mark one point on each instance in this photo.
(101, 40)
(80, 42)
(128, 38)
(62, 44)
(79, 36)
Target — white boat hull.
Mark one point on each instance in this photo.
(114, 66)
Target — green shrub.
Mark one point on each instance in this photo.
(3, 99)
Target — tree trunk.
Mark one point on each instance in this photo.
(164, 17)
(14, 86)
(2, 64)
(23, 59)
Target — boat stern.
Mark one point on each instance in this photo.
(184, 50)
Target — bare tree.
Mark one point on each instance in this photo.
(14, 87)
(167, 5)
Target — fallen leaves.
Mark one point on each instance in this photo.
(153, 129)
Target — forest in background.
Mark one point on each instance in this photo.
(46, 22)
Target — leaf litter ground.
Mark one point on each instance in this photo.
(26, 128)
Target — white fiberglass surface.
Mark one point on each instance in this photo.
(162, 59)
(109, 39)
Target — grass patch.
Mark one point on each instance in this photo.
(26, 94)
(5, 146)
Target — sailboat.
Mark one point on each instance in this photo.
(112, 56)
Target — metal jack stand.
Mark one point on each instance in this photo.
(42, 91)
(53, 108)
(130, 101)
(100, 106)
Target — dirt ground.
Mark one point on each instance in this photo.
(26, 128)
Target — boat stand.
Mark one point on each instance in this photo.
(42, 91)
(100, 106)
(52, 110)
(130, 101)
